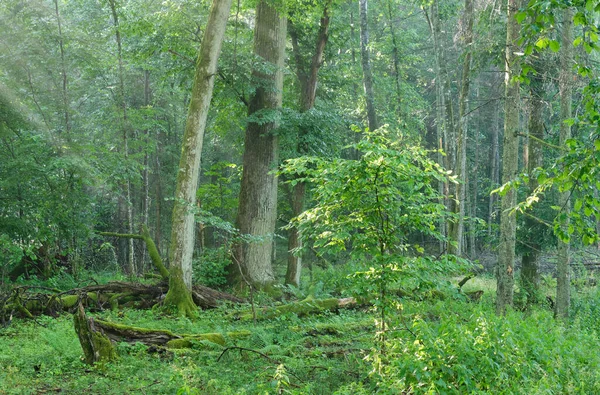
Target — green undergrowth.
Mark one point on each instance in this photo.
(433, 346)
(318, 354)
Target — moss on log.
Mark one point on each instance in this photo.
(96, 346)
(97, 337)
(301, 308)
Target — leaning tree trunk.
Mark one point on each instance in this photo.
(456, 227)
(257, 209)
(563, 282)
(182, 231)
(308, 82)
(366, 65)
(510, 160)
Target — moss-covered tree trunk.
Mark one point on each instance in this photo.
(510, 160)
(257, 209)
(97, 347)
(182, 231)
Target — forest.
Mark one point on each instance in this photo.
(299, 197)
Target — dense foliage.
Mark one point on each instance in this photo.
(93, 103)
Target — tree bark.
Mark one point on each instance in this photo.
(510, 160)
(366, 65)
(563, 283)
(257, 209)
(456, 227)
(182, 231)
(308, 82)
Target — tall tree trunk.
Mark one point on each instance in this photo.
(530, 276)
(257, 209)
(125, 127)
(366, 65)
(563, 283)
(473, 212)
(510, 161)
(145, 172)
(158, 198)
(440, 119)
(182, 230)
(308, 82)
(456, 227)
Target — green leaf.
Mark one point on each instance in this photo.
(554, 45)
(520, 17)
(542, 42)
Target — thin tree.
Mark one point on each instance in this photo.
(182, 231)
(366, 65)
(530, 276)
(510, 159)
(257, 211)
(124, 130)
(308, 77)
(563, 282)
(494, 167)
(63, 71)
(456, 227)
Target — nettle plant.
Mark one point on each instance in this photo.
(375, 205)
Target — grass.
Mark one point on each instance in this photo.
(438, 345)
(45, 356)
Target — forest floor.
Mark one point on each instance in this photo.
(445, 344)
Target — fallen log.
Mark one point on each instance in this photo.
(21, 301)
(98, 337)
(300, 308)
